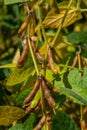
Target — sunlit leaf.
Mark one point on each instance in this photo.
(19, 75)
(9, 114)
(78, 83)
(8, 66)
(53, 20)
(76, 93)
(14, 1)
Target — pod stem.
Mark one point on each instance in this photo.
(44, 35)
(32, 54)
(60, 27)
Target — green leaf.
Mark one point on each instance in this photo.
(61, 121)
(14, 1)
(77, 37)
(78, 83)
(59, 99)
(17, 127)
(27, 125)
(77, 94)
(9, 114)
(22, 96)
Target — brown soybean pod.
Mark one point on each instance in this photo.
(36, 52)
(24, 55)
(51, 61)
(50, 86)
(47, 94)
(39, 56)
(33, 92)
(40, 124)
(75, 60)
(24, 25)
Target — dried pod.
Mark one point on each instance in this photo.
(39, 56)
(24, 55)
(75, 60)
(40, 124)
(83, 61)
(51, 61)
(47, 94)
(33, 92)
(51, 87)
(36, 52)
(24, 25)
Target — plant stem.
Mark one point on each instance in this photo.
(78, 3)
(42, 27)
(83, 10)
(81, 117)
(41, 24)
(60, 27)
(32, 54)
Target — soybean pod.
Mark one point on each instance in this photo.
(33, 92)
(24, 55)
(51, 87)
(36, 52)
(47, 94)
(51, 61)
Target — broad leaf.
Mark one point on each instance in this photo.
(78, 83)
(9, 114)
(78, 95)
(78, 37)
(19, 75)
(17, 127)
(27, 125)
(61, 121)
(22, 96)
(14, 1)
(53, 20)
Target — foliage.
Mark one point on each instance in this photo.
(43, 68)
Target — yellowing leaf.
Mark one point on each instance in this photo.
(9, 114)
(8, 66)
(19, 75)
(53, 20)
